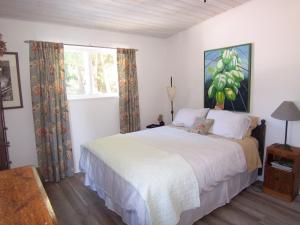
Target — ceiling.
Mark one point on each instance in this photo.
(159, 18)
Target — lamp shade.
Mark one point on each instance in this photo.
(171, 92)
(287, 111)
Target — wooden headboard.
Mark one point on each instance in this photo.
(260, 134)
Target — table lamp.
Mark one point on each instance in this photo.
(287, 111)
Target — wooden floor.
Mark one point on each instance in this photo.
(74, 204)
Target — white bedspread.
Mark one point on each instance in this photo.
(169, 167)
(164, 180)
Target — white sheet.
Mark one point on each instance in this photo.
(213, 159)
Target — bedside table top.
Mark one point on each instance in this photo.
(279, 149)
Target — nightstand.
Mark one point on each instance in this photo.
(282, 172)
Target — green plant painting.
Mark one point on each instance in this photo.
(227, 75)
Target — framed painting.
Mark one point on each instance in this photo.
(227, 76)
(10, 81)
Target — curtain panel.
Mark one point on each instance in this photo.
(128, 91)
(50, 111)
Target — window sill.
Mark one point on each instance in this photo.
(87, 97)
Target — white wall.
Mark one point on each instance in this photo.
(271, 25)
(273, 28)
(89, 118)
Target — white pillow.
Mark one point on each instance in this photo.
(229, 124)
(186, 116)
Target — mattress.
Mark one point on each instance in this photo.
(124, 198)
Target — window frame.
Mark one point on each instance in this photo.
(92, 95)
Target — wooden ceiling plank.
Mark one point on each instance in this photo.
(159, 18)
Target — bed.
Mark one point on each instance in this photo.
(168, 176)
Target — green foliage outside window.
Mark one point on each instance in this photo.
(90, 72)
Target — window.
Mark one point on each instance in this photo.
(90, 72)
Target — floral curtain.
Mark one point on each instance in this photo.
(2, 46)
(50, 111)
(128, 91)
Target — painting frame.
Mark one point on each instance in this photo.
(11, 91)
(242, 97)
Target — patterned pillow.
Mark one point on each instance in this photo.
(201, 126)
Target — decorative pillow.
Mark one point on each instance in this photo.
(229, 124)
(253, 125)
(187, 116)
(201, 126)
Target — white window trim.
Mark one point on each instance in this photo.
(83, 97)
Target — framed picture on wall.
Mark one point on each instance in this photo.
(10, 81)
(227, 76)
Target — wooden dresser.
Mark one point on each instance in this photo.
(23, 200)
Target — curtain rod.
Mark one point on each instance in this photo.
(77, 45)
